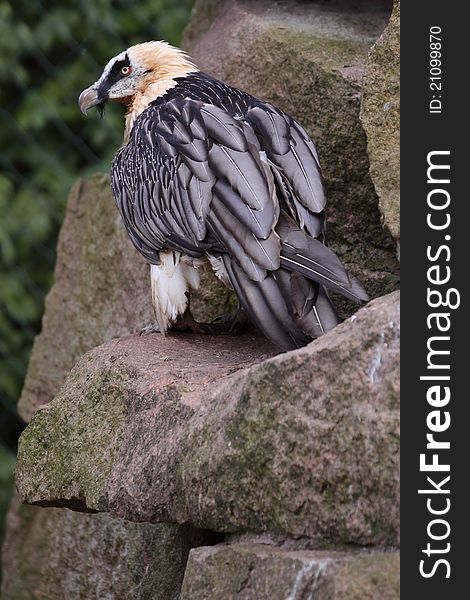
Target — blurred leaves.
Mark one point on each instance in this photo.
(49, 52)
(7, 464)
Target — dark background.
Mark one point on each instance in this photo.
(420, 134)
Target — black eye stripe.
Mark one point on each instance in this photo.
(115, 72)
(113, 77)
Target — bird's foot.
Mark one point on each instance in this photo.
(152, 328)
(227, 324)
(187, 322)
(232, 323)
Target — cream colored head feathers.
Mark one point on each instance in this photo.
(161, 60)
(138, 76)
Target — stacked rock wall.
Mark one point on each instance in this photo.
(217, 468)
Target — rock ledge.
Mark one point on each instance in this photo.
(158, 429)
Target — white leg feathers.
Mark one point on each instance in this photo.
(170, 281)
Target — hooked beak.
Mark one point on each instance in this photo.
(87, 99)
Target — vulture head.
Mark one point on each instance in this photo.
(143, 70)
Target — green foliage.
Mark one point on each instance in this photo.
(7, 465)
(49, 52)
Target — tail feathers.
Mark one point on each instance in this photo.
(310, 304)
(288, 308)
(322, 317)
(314, 260)
(310, 266)
(264, 302)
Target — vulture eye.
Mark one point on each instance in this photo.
(125, 70)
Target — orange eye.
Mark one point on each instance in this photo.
(125, 70)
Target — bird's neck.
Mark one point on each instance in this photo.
(156, 85)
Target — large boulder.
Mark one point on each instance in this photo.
(380, 115)
(255, 571)
(101, 290)
(153, 429)
(57, 554)
(217, 433)
(308, 58)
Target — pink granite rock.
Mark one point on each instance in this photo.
(301, 444)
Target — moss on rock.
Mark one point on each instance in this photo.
(380, 114)
(78, 433)
(255, 572)
(290, 445)
(56, 554)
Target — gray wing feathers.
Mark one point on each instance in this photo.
(265, 252)
(316, 261)
(288, 146)
(184, 154)
(313, 223)
(244, 174)
(266, 305)
(194, 178)
(252, 269)
(223, 128)
(259, 222)
(272, 129)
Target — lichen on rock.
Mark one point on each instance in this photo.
(290, 444)
(380, 115)
(158, 444)
(255, 571)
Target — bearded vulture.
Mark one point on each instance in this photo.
(210, 173)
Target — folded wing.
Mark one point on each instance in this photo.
(244, 186)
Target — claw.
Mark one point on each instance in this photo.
(232, 323)
(186, 322)
(152, 328)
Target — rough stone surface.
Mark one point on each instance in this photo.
(257, 572)
(292, 445)
(202, 15)
(212, 299)
(309, 58)
(52, 554)
(380, 115)
(212, 432)
(136, 379)
(101, 290)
